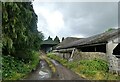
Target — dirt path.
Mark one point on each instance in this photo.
(42, 72)
(65, 74)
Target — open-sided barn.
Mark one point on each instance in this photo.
(107, 42)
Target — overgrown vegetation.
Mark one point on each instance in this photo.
(19, 28)
(96, 69)
(15, 68)
(20, 39)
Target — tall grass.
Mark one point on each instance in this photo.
(96, 69)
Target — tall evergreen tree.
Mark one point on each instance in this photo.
(63, 38)
(57, 39)
(49, 38)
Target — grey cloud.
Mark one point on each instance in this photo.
(96, 17)
(86, 18)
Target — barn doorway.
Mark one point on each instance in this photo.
(116, 51)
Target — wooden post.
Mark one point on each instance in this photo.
(71, 57)
(72, 52)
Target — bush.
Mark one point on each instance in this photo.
(96, 64)
(34, 59)
(14, 68)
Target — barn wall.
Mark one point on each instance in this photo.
(113, 60)
(89, 56)
(63, 55)
(109, 47)
(78, 55)
(59, 54)
(116, 51)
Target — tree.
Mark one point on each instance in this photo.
(19, 28)
(63, 38)
(57, 39)
(49, 38)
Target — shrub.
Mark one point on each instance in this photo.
(14, 68)
(96, 64)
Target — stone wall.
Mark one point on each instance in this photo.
(83, 55)
(114, 64)
(63, 55)
(58, 54)
(67, 55)
(89, 55)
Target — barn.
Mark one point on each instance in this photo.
(47, 45)
(106, 42)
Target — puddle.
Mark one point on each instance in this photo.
(44, 75)
(43, 72)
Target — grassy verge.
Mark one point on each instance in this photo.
(59, 59)
(14, 68)
(96, 69)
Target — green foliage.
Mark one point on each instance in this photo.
(96, 69)
(19, 28)
(20, 39)
(72, 65)
(94, 65)
(14, 68)
(57, 39)
(61, 60)
(34, 59)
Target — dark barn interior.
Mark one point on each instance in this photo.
(116, 51)
(95, 48)
(47, 47)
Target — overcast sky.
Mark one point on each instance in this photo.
(75, 19)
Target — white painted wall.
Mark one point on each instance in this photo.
(113, 60)
(110, 46)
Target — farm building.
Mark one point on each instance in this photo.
(47, 45)
(107, 42)
(67, 41)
